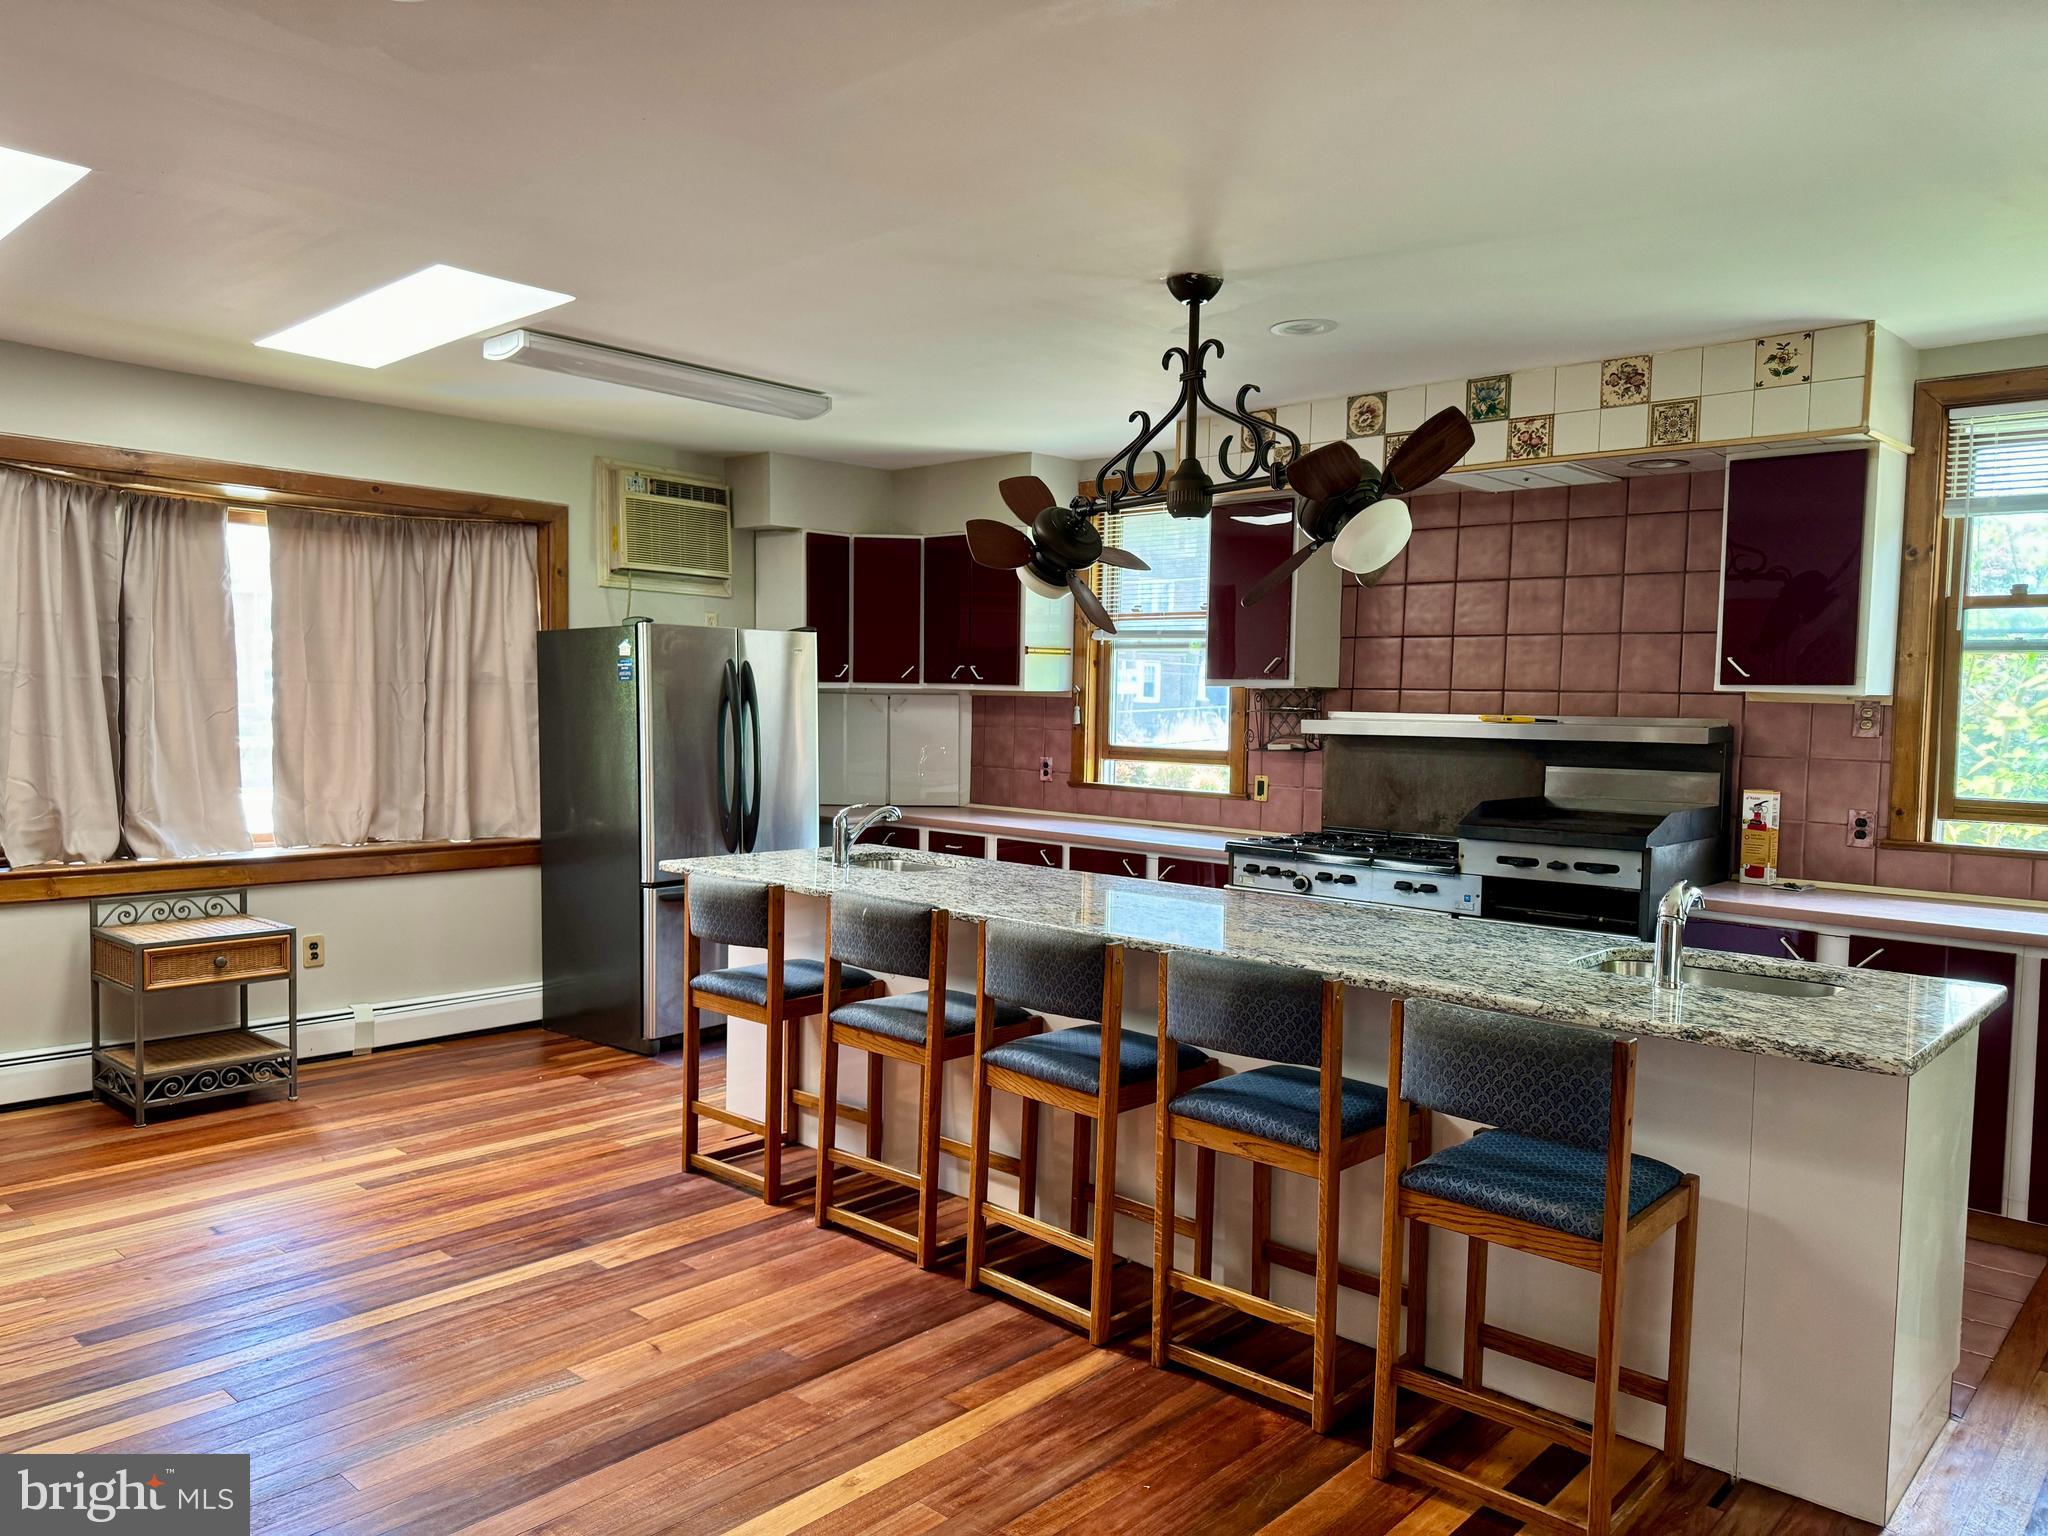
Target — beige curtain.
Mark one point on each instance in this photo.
(60, 583)
(181, 767)
(403, 654)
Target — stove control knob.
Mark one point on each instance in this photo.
(1347, 879)
(1301, 882)
(1325, 876)
(1426, 888)
(1557, 864)
(1404, 885)
(1253, 869)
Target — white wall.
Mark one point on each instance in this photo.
(1984, 356)
(471, 940)
(785, 490)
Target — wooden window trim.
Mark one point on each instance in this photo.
(1923, 713)
(174, 474)
(283, 866)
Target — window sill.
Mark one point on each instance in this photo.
(263, 866)
(1191, 795)
(1912, 845)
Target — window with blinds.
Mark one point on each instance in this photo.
(1158, 722)
(1993, 781)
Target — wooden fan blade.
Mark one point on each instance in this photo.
(997, 544)
(1278, 577)
(1026, 496)
(1089, 604)
(1331, 470)
(1431, 449)
(1121, 557)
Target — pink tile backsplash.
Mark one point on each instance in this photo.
(1587, 600)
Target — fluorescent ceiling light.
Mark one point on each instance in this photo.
(432, 307)
(29, 182)
(636, 370)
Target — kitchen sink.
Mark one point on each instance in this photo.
(1730, 981)
(890, 860)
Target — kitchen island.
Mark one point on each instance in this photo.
(1829, 1132)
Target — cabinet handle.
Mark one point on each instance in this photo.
(1046, 858)
(1867, 958)
(845, 667)
(220, 962)
(1165, 870)
(1786, 944)
(975, 673)
(1130, 871)
(1740, 669)
(909, 669)
(1271, 665)
(955, 673)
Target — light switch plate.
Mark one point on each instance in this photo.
(1260, 784)
(1862, 829)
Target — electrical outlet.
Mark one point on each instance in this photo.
(1869, 721)
(1862, 829)
(315, 951)
(711, 621)
(1260, 784)
(1045, 770)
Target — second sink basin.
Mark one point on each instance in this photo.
(1732, 981)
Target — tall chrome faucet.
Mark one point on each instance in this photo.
(1673, 908)
(846, 831)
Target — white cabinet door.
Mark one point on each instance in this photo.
(853, 748)
(925, 752)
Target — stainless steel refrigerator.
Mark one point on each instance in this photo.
(658, 741)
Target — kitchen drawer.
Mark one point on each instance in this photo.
(1750, 939)
(1017, 850)
(1177, 871)
(890, 837)
(1107, 861)
(962, 843)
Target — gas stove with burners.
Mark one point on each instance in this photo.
(1357, 865)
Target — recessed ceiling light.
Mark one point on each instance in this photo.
(1658, 463)
(1304, 327)
(428, 309)
(27, 183)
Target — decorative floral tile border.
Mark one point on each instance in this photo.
(1529, 437)
(1486, 399)
(1625, 380)
(1782, 360)
(1675, 423)
(1365, 415)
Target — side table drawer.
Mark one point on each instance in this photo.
(196, 965)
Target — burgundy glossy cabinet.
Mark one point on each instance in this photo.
(1106, 861)
(963, 844)
(1200, 872)
(1249, 645)
(1793, 572)
(890, 837)
(888, 583)
(973, 618)
(1019, 850)
(828, 602)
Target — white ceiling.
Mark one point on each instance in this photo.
(952, 214)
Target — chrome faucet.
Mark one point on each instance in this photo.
(846, 831)
(1673, 908)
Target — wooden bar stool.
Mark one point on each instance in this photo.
(1047, 970)
(775, 994)
(1302, 1116)
(1557, 1179)
(927, 1028)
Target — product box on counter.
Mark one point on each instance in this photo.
(1760, 834)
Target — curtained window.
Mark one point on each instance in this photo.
(175, 682)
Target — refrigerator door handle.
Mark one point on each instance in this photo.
(729, 735)
(750, 785)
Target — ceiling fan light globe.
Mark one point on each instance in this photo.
(1033, 582)
(1374, 537)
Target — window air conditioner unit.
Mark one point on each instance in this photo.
(666, 523)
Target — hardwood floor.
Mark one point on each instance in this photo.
(465, 1287)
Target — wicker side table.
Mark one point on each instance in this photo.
(150, 945)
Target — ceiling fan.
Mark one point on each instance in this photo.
(1337, 487)
(1062, 543)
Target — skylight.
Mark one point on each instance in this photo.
(28, 183)
(428, 309)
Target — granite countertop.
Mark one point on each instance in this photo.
(1957, 920)
(1879, 1022)
(1050, 826)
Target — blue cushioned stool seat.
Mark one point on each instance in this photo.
(1072, 1058)
(800, 978)
(1543, 1182)
(902, 1016)
(1280, 1104)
